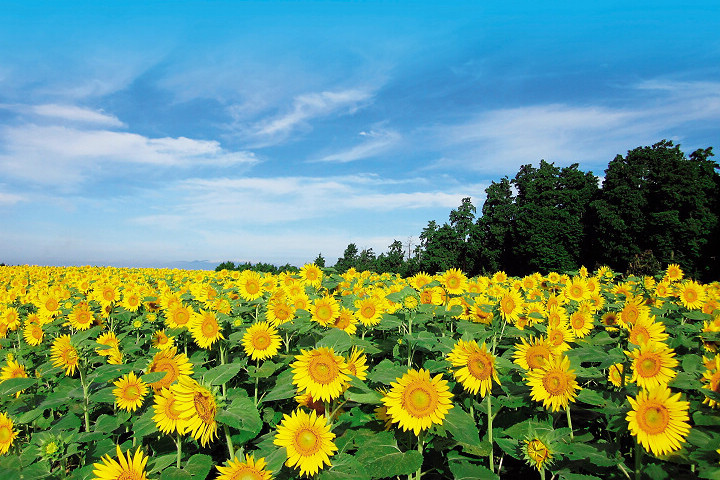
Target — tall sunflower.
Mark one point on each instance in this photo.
(554, 383)
(369, 310)
(653, 364)
(311, 275)
(167, 417)
(178, 316)
(416, 401)
(250, 469)
(511, 305)
(325, 310)
(131, 467)
(455, 281)
(33, 333)
(175, 365)
(261, 341)
(198, 408)
(581, 323)
(476, 367)
(673, 273)
(646, 329)
(346, 321)
(658, 419)
(205, 328)
(711, 380)
(109, 339)
(321, 373)
(308, 441)
(64, 355)
(250, 285)
(129, 392)
(692, 295)
(7, 433)
(82, 317)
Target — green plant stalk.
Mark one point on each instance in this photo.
(178, 444)
(86, 412)
(228, 439)
(421, 442)
(490, 431)
(569, 419)
(638, 459)
(257, 380)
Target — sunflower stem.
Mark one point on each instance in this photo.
(228, 439)
(421, 441)
(638, 460)
(257, 379)
(490, 431)
(81, 368)
(569, 419)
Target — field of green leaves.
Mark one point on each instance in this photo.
(166, 374)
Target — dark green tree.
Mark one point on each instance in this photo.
(348, 260)
(494, 229)
(320, 260)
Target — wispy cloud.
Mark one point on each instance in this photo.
(9, 198)
(376, 142)
(64, 113)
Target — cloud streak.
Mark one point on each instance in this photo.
(377, 142)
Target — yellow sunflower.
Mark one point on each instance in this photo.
(537, 452)
(161, 340)
(581, 323)
(577, 290)
(175, 365)
(658, 420)
(511, 305)
(64, 355)
(113, 353)
(633, 309)
(673, 273)
(653, 364)
(261, 341)
(131, 467)
(477, 367)
(250, 469)
(197, 408)
(325, 310)
(205, 328)
(615, 375)
(311, 275)
(554, 383)
(692, 295)
(455, 281)
(81, 318)
(279, 311)
(558, 337)
(308, 441)
(646, 329)
(167, 416)
(33, 333)
(178, 316)
(321, 373)
(13, 369)
(346, 321)
(7, 434)
(416, 401)
(129, 392)
(356, 363)
(711, 380)
(369, 310)
(532, 355)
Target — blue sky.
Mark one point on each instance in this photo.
(154, 133)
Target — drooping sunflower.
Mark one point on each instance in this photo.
(692, 295)
(325, 310)
(7, 434)
(416, 401)
(658, 419)
(261, 341)
(205, 328)
(369, 310)
(81, 318)
(131, 467)
(653, 364)
(554, 383)
(174, 364)
(129, 392)
(511, 305)
(109, 339)
(167, 416)
(356, 363)
(711, 380)
(476, 367)
(64, 355)
(13, 369)
(321, 373)
(308, 441)
(250, 469)
(455, 281)
(532, 355)
(198, 408)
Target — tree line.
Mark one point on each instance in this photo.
(654, 206)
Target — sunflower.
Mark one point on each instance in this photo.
(711, 380)
(537, 452)
(646, 329)
(673, 273)
(653, 364)
(692, 295)
(308, 441)
(369, 310)
(420, 280)
(321, 373)
(205, 329)
(532, 355)
(113, 353)
(129, 392)
(416, 400)
(658, 420)
(615, 375)
(558, 337)
(131, 467)
(261, 341)
(324, 310)
(13, 369)
(477, 367)
(250, 469)
(356, 363)
(81, 318)
(197, 408)
(33, 333)
(7, 434)
(455, 281)
(554, 383)
(64, 354)
(577, 290)
(346, 321)
(167, 416)
(633, 309)
(581, 323)
(279, 311)
(609, 320)
(175, 365)
(311, 275)
(161, 340)
(481, 314)
(11, 317)
(250, 285)
(511, 305)
(178, 316)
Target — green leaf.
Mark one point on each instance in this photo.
(242, 415)
(199, 466)
(387, 372)
(361, 393)
(586, 452)
(162, 462)
(13, 385)
(461, 426)
(380, 455)
(265, 371)
(337, 339)
(174, 473)
(153, 377)
(577, 476)
(344, 467)
(463, 469)
(284, 388)
(222, 373)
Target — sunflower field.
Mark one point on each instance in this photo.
(109, 373)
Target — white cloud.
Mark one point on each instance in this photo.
(10, 198)
(378, 142)
(74, 113)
